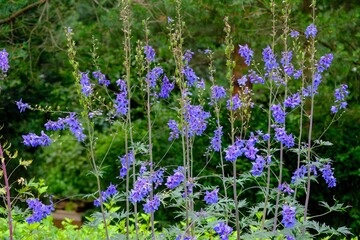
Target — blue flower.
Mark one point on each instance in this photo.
(234, 151)
(39, 209)
(101, 78)
(324, 62)
(216, 140)
(284, 187)
(175, 180)
(223, 230)
(22, 106)
(211, 197)
(340, 94)
(174, 134)
(258, 166)
(283, 137)
(152, 205)
(110, 191)
(310, 31)
(141, 189)
(75, 127)
(278, 114)
(153, 75)
(4, 61)
(217, 92)
(121, 102)
(234, 103)
(294, 34)
(255, 78)
(166, 87)
(292, 101)
(328, 175)
(129, 158)
(149, 53)
(299, 174)
(196, 119)
(54, 126)
(288, 214)
(33, 140)
(190, 76)
(187, 56)
(269, 59)
(86, 86)
(246, 53)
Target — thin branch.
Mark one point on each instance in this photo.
(21, 11)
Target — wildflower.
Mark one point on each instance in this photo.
(141, 189)
(216, 140)
(278, 114)
(324, 62)
(22, 106)
(223, 230)
(328, 175)
(235, 150)
(258, 166)
(174, 134)
(234, 103)
(187, 56)
(269, 59)
(33, 140)
(101, 78)
(289, 237)
(292, 101)
(157, 178)
(297, 74)
(281, 136)
(152, 205)
(121, 101)
(4, 61)
(58, 125)
(211, 197)
(311, 31)
(246, 53)
(39, 209)
(190, 76)
(166, 87)
(340, 94)
(288, 214)
(175, 180)
(242, 81)
(153, 75)
(299, 174)
(110, 191)
(286, 188)
(196, 119)
(254, 78)
(286, 62)
(126, 162)
(75, 127)
(217, 92)
(201, 84)
(149, 53)
(86, 86)
(294, 34)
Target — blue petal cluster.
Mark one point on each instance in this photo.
(299, 174)
(121, 101)
(324, 62)
(328, 175)
(166, 87)
(153, 75)
(269, 59)
(101, 78)
(284, 187)
(255, 78)
(196, 118)
(141, 189)
(39, 209)
(216, 140)
(278, 114)
(246, 53)
(234, 103)
(311, 31)
(110, 191)
(258, 166)
(86, 86)
(340, 94)
(288, 214)
(294, 34)
(4, 61)
(75, 127)
(152, 205)
(149, 53)
(22, 106)
(211, 197)
(293, 101)
(283, 137)
(217, 92)
(174, 180)
(188, 56)
(34, 140)
(286, 63)
(223, 230)
(129, 158)
(190, 76)
(174, 133)
(157, 178)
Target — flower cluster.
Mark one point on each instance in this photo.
(75, 127)
(286, 63)
(258, 166)
(174, 134)
(324, 62)
(22, 106)
(223, 230)
(149, 53)
(141, 189)
(101, 78)
(269, 60)
(175, 180)
(278, 114)
(39, 209)
(216, 140)
(340, 94)
(311, 31)
(4, 61)
(86, 86)
(254, 78)
(242, 147)
(293, 101)
(166, 87)
(299, 174)
(126, 162)
(196, 118)
(211, 197)
(190, 76)
(284, 187)
(153, 75)
(246, 53)
(288, 214)
(328, 175)
(121, 101)
(217, 92)
(152, 205)
(234, 103)
(34, 140)
(284, 138)
(110, 191)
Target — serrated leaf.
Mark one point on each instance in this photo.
(25, 163)
(42, 190)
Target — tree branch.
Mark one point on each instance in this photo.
(21, 11)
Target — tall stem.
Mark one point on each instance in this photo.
(7, 189)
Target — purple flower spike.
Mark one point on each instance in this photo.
(166, 87)
(86, 86)
(149, 53)
(278, 114)
(246, 53)
(328, 175)
(22, 106)
(216, 140)
(152, 205)
(223, 230)
(288, 214)
(101, 78)
(4, 61)
(175, 180)
(211, 197)
(311, 31)
(39, 209)
(33, 140)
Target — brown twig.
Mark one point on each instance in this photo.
(21, 11)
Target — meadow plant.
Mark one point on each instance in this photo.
(291, 77)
